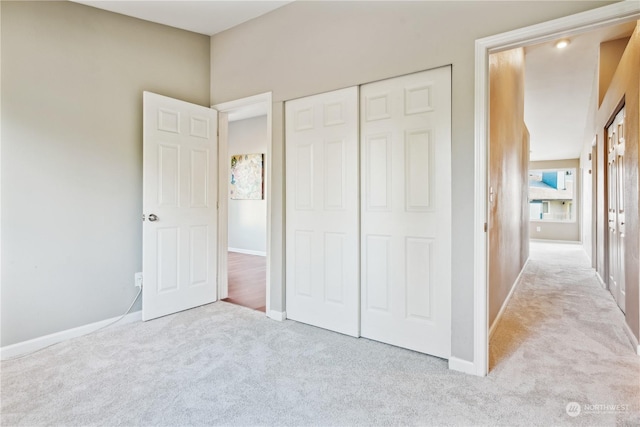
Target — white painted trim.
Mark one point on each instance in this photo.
(516, 282)
(277, 315)
(567, 26)
(460, 365)
(227, 107)
(480, 291)
(269, 162)
(244, 102)
(223, 205)
(25, 347)
(248, 251)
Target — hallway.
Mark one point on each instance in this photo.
(565, 329)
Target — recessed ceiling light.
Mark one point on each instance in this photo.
(561, 44)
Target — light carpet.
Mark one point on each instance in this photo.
(561, 340)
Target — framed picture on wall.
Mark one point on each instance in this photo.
(247, 177)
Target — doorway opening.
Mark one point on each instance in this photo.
(244, 201)
(555, 98)
(537, 34)
(247, 210)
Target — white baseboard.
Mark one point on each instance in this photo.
(566, 242)
(604, 285)
(492, 329)
(464, 366)
(247, 251)
(277, 315)
(632, 338)
(25, 347)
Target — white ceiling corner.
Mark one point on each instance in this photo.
(206, 17)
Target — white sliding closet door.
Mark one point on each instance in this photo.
(322, 258)
(406, 211)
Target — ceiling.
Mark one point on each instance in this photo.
(206, 17)
(559, 84)
(561, 92)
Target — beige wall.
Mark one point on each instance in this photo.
(508, 177)
(549, 230)
(608, 60)
(72, 79)
(312, 47)
(554, 231)
(625, 84)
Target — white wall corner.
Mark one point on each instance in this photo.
(277, 315)
(40, 343)
(464, 366)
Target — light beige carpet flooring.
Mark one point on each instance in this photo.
(560, 341)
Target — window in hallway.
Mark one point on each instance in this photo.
(551, 195)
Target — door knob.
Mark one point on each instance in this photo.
(153, 218)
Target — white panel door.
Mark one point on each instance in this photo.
(406, 211)
(322, 260)
(179, 205)
(616, 210)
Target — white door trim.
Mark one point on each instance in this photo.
(223, 170)
(222, 205)
(567, 26)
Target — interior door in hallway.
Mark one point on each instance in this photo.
(179, 232)
(322, 259)
(406, 211)
(616, 211)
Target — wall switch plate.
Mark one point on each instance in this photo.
(538, 229)
(138, 280)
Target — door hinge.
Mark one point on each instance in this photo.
(486, 227)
